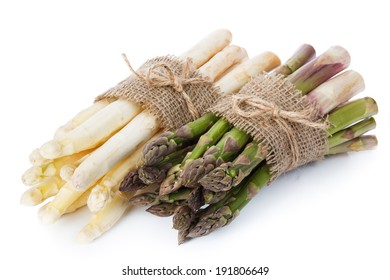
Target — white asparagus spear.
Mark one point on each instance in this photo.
(67, 170)
(79, 203)
(93, 168)
(45, 189)
(114, 116)
(80, 118)
(233, 80)
(122, 144)
(93, 131)
(106, 218)
(223, 60)
(208, 47)
(109, 215)
(102, 192)
(36, 159)
(38, 173)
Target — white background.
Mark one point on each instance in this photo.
(329, 220)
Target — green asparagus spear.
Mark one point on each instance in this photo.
(225, 150)
(157, 173)
(132, 182)
(358, 144)
(162, 209)
(304, 54)
(170, 184)
(351, 132)
(169, 142)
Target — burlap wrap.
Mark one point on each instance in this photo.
(169, 88)
(276, 115)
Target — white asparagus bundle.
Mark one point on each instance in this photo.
(109, 215)
(98, 127)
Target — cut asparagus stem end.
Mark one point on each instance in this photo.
(336, 91)
(220, 62)
(350, 113)
(351, 132)
(358, 144)
(232, 81)
(302, 55)
(320, 69)
(206, 48)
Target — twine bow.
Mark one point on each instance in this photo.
(161, 75)
(282, 118)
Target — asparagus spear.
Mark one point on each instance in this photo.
(182, 217)
(151, 174)
(351, 132)
(358, 144)
(196, 199)
(144, 199)
(162, 209)
(132, 182)
(224, 213)
(169, 142)
(304, 54)
(225, 150)
(181, 194)
(351, 112)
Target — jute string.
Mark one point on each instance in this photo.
(156, 78)
(281, 117)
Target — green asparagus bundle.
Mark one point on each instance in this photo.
(227, 169)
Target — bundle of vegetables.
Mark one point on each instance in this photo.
(90, 155)
(228, 166)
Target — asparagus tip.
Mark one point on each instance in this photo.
(98, 198)
(31, 197)
(51, 150)
(88, 234)
(37, 159)
(32, 175)
(48, 214)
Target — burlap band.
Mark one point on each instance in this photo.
(278, 117)
(169, 88)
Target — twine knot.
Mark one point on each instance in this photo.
(249, 106)
(161, 75)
